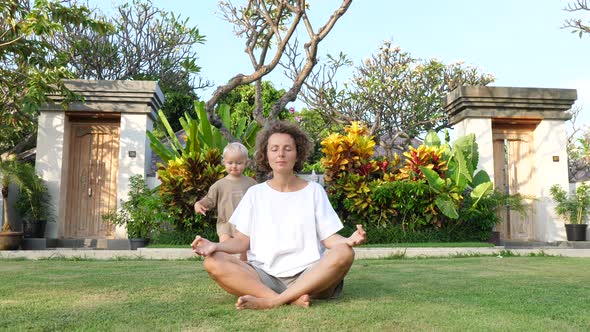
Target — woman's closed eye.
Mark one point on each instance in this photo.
(276, 148)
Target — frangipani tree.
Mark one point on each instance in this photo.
(268, 28)
(396, 94)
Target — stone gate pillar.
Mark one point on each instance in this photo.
(129, 105)
(486, 111)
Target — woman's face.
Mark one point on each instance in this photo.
(281, 153)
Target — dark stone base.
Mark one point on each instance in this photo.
(137, 243)
(121, 244)
(34, 244)
(556, 245)
(574, 244)
(494, 238)
(105, 244)
(508, 244)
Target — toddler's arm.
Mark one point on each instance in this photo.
(209, 201)
(199, 208)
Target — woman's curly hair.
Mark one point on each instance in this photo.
(303, 144)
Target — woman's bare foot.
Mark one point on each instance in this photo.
(303, 301)
(251, 302)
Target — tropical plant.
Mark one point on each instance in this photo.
(350, 153)
(462, 159)
(242, 102)
(430, 157)
(318, 128)
(352, 174)
(141, 214)
(189, 169)
(479, 220)
(572, 208)
(427, 191)
(317, 167)
(18, 173)
(34, 203)
(411, 202)
(200, 135)
(183, 181)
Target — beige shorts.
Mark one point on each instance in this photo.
(280, 284)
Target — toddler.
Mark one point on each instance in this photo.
(225, 194)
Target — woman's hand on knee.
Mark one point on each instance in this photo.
(358, 237)
(203, 247)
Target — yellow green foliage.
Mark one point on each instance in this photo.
(428, 192)
(430, 157)
(186, 179)
(352, 173)
(347, 153)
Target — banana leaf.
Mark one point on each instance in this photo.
(164, 152)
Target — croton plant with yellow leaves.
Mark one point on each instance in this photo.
(430, 157)
(362, 188)
(184, 180)
(352, 173)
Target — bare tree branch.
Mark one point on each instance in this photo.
(576, 23)
(266, 23)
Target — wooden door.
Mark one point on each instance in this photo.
(92, 183)
(514, 173)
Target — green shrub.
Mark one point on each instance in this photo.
(184, 181)
(317, 167)
(34, 200)
(168, 236)
(437, 194)
(190, 168)
(396, 234)
(412, 201)
(142, 213)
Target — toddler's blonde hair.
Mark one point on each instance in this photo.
(236, 147)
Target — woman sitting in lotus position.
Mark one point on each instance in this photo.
(284, 223)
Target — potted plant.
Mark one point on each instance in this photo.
(19, 174)
(140, 213)
(34, 206)
(573, 209)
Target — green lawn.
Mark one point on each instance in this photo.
(450, 294)
(430, 245)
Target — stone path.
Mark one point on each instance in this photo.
(361, 253)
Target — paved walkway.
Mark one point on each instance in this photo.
(149, 253)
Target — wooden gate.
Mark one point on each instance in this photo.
(92, 183)
(514, 173)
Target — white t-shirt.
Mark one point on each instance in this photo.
(285, 228)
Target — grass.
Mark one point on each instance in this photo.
(431, 245)
(444, 294)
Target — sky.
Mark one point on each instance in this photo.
(520, 42)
